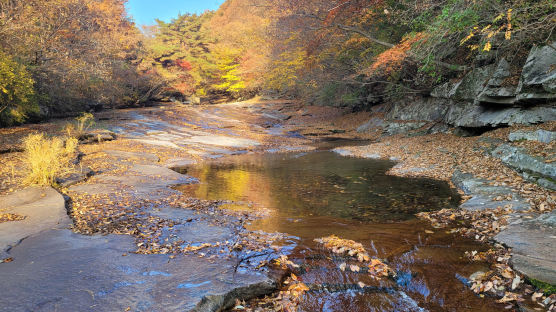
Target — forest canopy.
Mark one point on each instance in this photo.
(76, 55)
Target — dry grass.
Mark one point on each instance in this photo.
(81, 125)
(47, 158)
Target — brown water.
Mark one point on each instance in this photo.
(311, 195)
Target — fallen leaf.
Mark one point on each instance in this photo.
(354, 268)
(507, 273)
(508, 297)
(516, 282)
(536, 295)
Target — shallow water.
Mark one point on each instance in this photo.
(311, 195)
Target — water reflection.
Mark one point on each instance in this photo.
(320, 193)
(321, 183)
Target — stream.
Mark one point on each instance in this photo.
(316, 194)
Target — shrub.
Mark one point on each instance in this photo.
(47, 158)
(17, 94)
(82, 124)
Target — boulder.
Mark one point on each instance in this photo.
(97, 135)
(393, 128)
(220, 140)
(538, 78)
(473, 83)
(532, 168)
(494, 91)
(474, 115)
(533, 248)
(343, 152)
(215, 303)
(540, 135)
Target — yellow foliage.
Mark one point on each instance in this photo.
(284, 70)
(464, 40)
(17, 94)
(489, 32)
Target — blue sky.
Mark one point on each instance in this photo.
(145, 11)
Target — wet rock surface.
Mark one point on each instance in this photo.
(59, 269)
(179, 162)
(143, 181)
(136, 156)
(532, 244)
(63, 271)
(486, 196)
(43, 209)
(532, 168)
(542, 136)
(74, 178)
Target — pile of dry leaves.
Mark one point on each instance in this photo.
(376, 268)
(504, 283)
(480, 225)
(5, 217)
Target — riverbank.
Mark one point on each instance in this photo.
(505, 177)
(130, 231)
(127, 195)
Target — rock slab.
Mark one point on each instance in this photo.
(44, 209)
(540, 135)
(64, 271)
(533, 247)
(530, 167)
(483, 194)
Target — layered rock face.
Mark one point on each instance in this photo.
(487, 97)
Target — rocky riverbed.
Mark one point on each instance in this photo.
(117, 235)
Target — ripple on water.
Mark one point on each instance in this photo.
(316, 194)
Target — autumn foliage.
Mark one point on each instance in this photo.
(391, 60)
(75, 55)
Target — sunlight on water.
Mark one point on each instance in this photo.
(316, 194)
